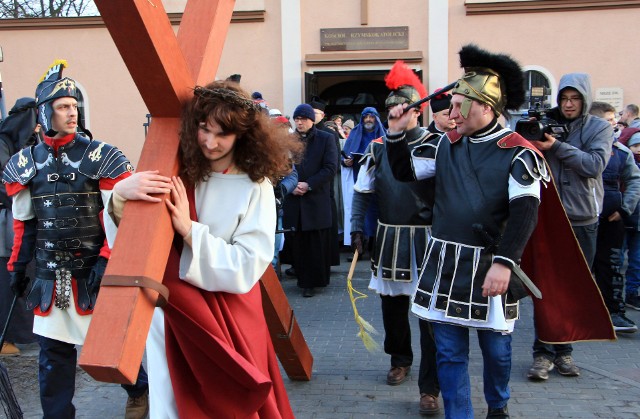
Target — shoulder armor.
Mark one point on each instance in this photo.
(516, 140)
(102, 160)
(20, 168)
(424, 151)
(528, 166)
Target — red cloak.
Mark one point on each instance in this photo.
(571, 308)
(221, 359)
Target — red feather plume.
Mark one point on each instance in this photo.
(401, 75)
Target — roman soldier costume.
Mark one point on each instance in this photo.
(66, 231)
(404, 211)
(461, 252)
(63, 178)
(479, 180)
(404, 219)
(58, 188)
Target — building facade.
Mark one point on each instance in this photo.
(340, 50)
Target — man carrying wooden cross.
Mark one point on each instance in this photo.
(213, 329)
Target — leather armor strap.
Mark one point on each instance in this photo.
(141, 282)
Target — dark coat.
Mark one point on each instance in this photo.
(312, 211)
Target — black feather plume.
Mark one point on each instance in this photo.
(509, 70)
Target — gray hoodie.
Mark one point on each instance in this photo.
(577, 162)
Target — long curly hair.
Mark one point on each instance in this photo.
(262, 149)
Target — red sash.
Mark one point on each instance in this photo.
(221, 359)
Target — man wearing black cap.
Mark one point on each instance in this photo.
(441, 122)
(404, 217)
(481, 193)
(308, 208)
(58, 189)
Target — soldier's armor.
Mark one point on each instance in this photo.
(65, 193)
(457, 260)
(404, 214)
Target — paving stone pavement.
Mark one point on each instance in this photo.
(349, 382)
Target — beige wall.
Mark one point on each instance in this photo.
(253, 50)
(603, 43)
(115, 109)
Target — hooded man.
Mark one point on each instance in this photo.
(577, 162)
(487, 185)
(369, 128)
(404, 217)
(59, 188)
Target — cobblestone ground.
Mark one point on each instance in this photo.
(349, 382)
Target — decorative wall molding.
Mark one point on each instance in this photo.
(96, 21)
(363, 57)
(481, 7)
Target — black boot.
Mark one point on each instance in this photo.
(498, 413)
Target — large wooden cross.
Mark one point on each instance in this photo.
(165, 68)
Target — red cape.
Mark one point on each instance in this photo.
(571, 308)
(221, 359)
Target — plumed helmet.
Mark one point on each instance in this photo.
(51, 87)
(405, 86)
(494, 79)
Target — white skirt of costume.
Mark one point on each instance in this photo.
(496, 320)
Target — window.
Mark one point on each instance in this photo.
(534, 77)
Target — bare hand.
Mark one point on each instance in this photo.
(140, 185)
(545, 145)
(399, 119)
(348, 162)
(496, 281)
(179, 209)
(614, 217)
(301, 189)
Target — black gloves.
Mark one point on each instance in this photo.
(95, 277)
(18, 282)
(357, 238)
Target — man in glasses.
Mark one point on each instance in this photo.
(577, 161)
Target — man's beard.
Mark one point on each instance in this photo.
(369, 126)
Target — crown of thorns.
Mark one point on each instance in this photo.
(227, 95)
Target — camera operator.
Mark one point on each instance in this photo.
(577, 161)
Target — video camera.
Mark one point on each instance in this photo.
(535, 123)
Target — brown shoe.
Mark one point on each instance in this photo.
(9, 349)
(428, 404)
(137, 407)
(397, 375)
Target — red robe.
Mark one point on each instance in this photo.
(221, 359)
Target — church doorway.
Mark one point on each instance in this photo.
(348, 92)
